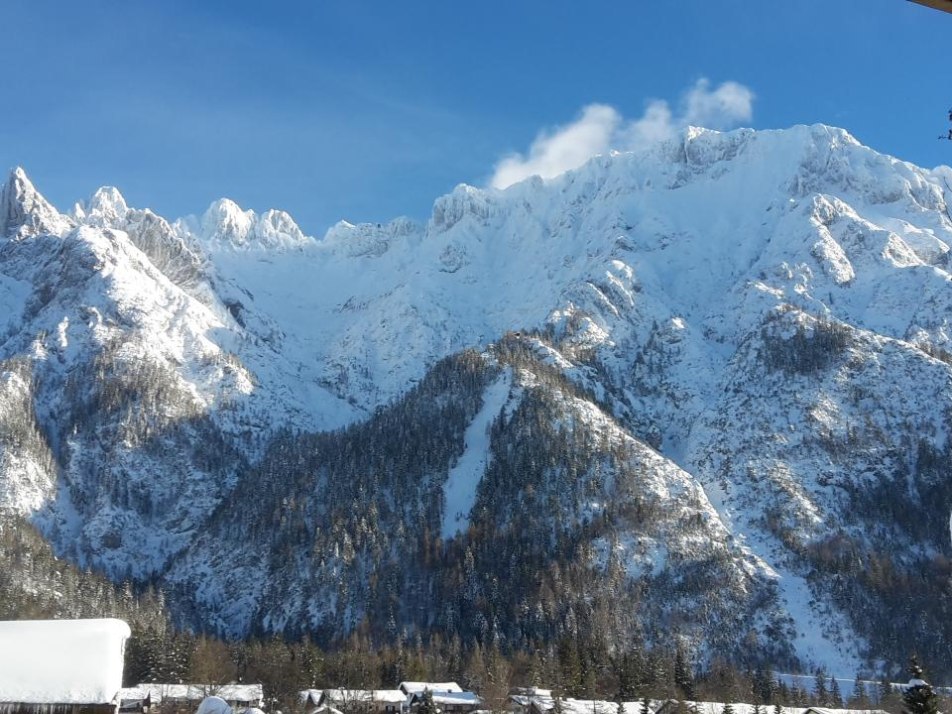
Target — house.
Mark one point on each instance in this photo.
(187, 697)
(62, 666)
(133, 700)
(521, 698)
(362, 701)
(448, 702)
(313, 701)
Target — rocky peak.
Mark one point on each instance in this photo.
(24, 212)
(107, 208)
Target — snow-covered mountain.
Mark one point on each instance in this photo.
(697, 392)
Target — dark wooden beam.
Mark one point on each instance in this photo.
(944, 5)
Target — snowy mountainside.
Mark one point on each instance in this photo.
(709, 381)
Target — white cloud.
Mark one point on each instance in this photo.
(567, 147)
(601, 128)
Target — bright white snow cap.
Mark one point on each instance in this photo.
(62, 661)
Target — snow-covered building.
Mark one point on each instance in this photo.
(61, 666)
(446, 701)
(364, 701)
(541, 701)
(133, 700)
(188, 696)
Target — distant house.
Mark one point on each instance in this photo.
(522, 700)
(449, 697)
(62, 666)
(133, 700)
(313, 701)
(351, 701)
(446, 701)
(187, 697)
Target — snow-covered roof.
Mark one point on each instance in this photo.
(674, 705)
(132, 693)
(62, 661)
(457, 698)
(197, 692)
(530, 692)
(586, 706)
(415, 687)
(600, 706)
(310, 695)
(387, 696)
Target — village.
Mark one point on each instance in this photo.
(76, 667)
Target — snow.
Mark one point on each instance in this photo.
(348, 696)
(738, 707)
(62, 661)
(420, 687)
(459, 491)
(253, 693)
(456, 698)
(570, 705)
(213, 705)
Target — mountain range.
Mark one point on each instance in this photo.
(698, 393)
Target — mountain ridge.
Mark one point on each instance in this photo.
(747, 314)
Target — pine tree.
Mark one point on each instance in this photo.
(836, 699)
(683, 678)
(820, 694)
(728, 709)
(919, 697)
(859, 698)
(427, 705)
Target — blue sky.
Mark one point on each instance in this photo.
(368, 110)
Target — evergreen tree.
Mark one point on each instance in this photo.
(645, 706)
(885, 692)
(728, 709)
(683, 678)
(427, 705)
(836, 699)
(859, 699)
(919, 697)
(821, 695)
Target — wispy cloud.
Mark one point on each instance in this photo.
(600, 128)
